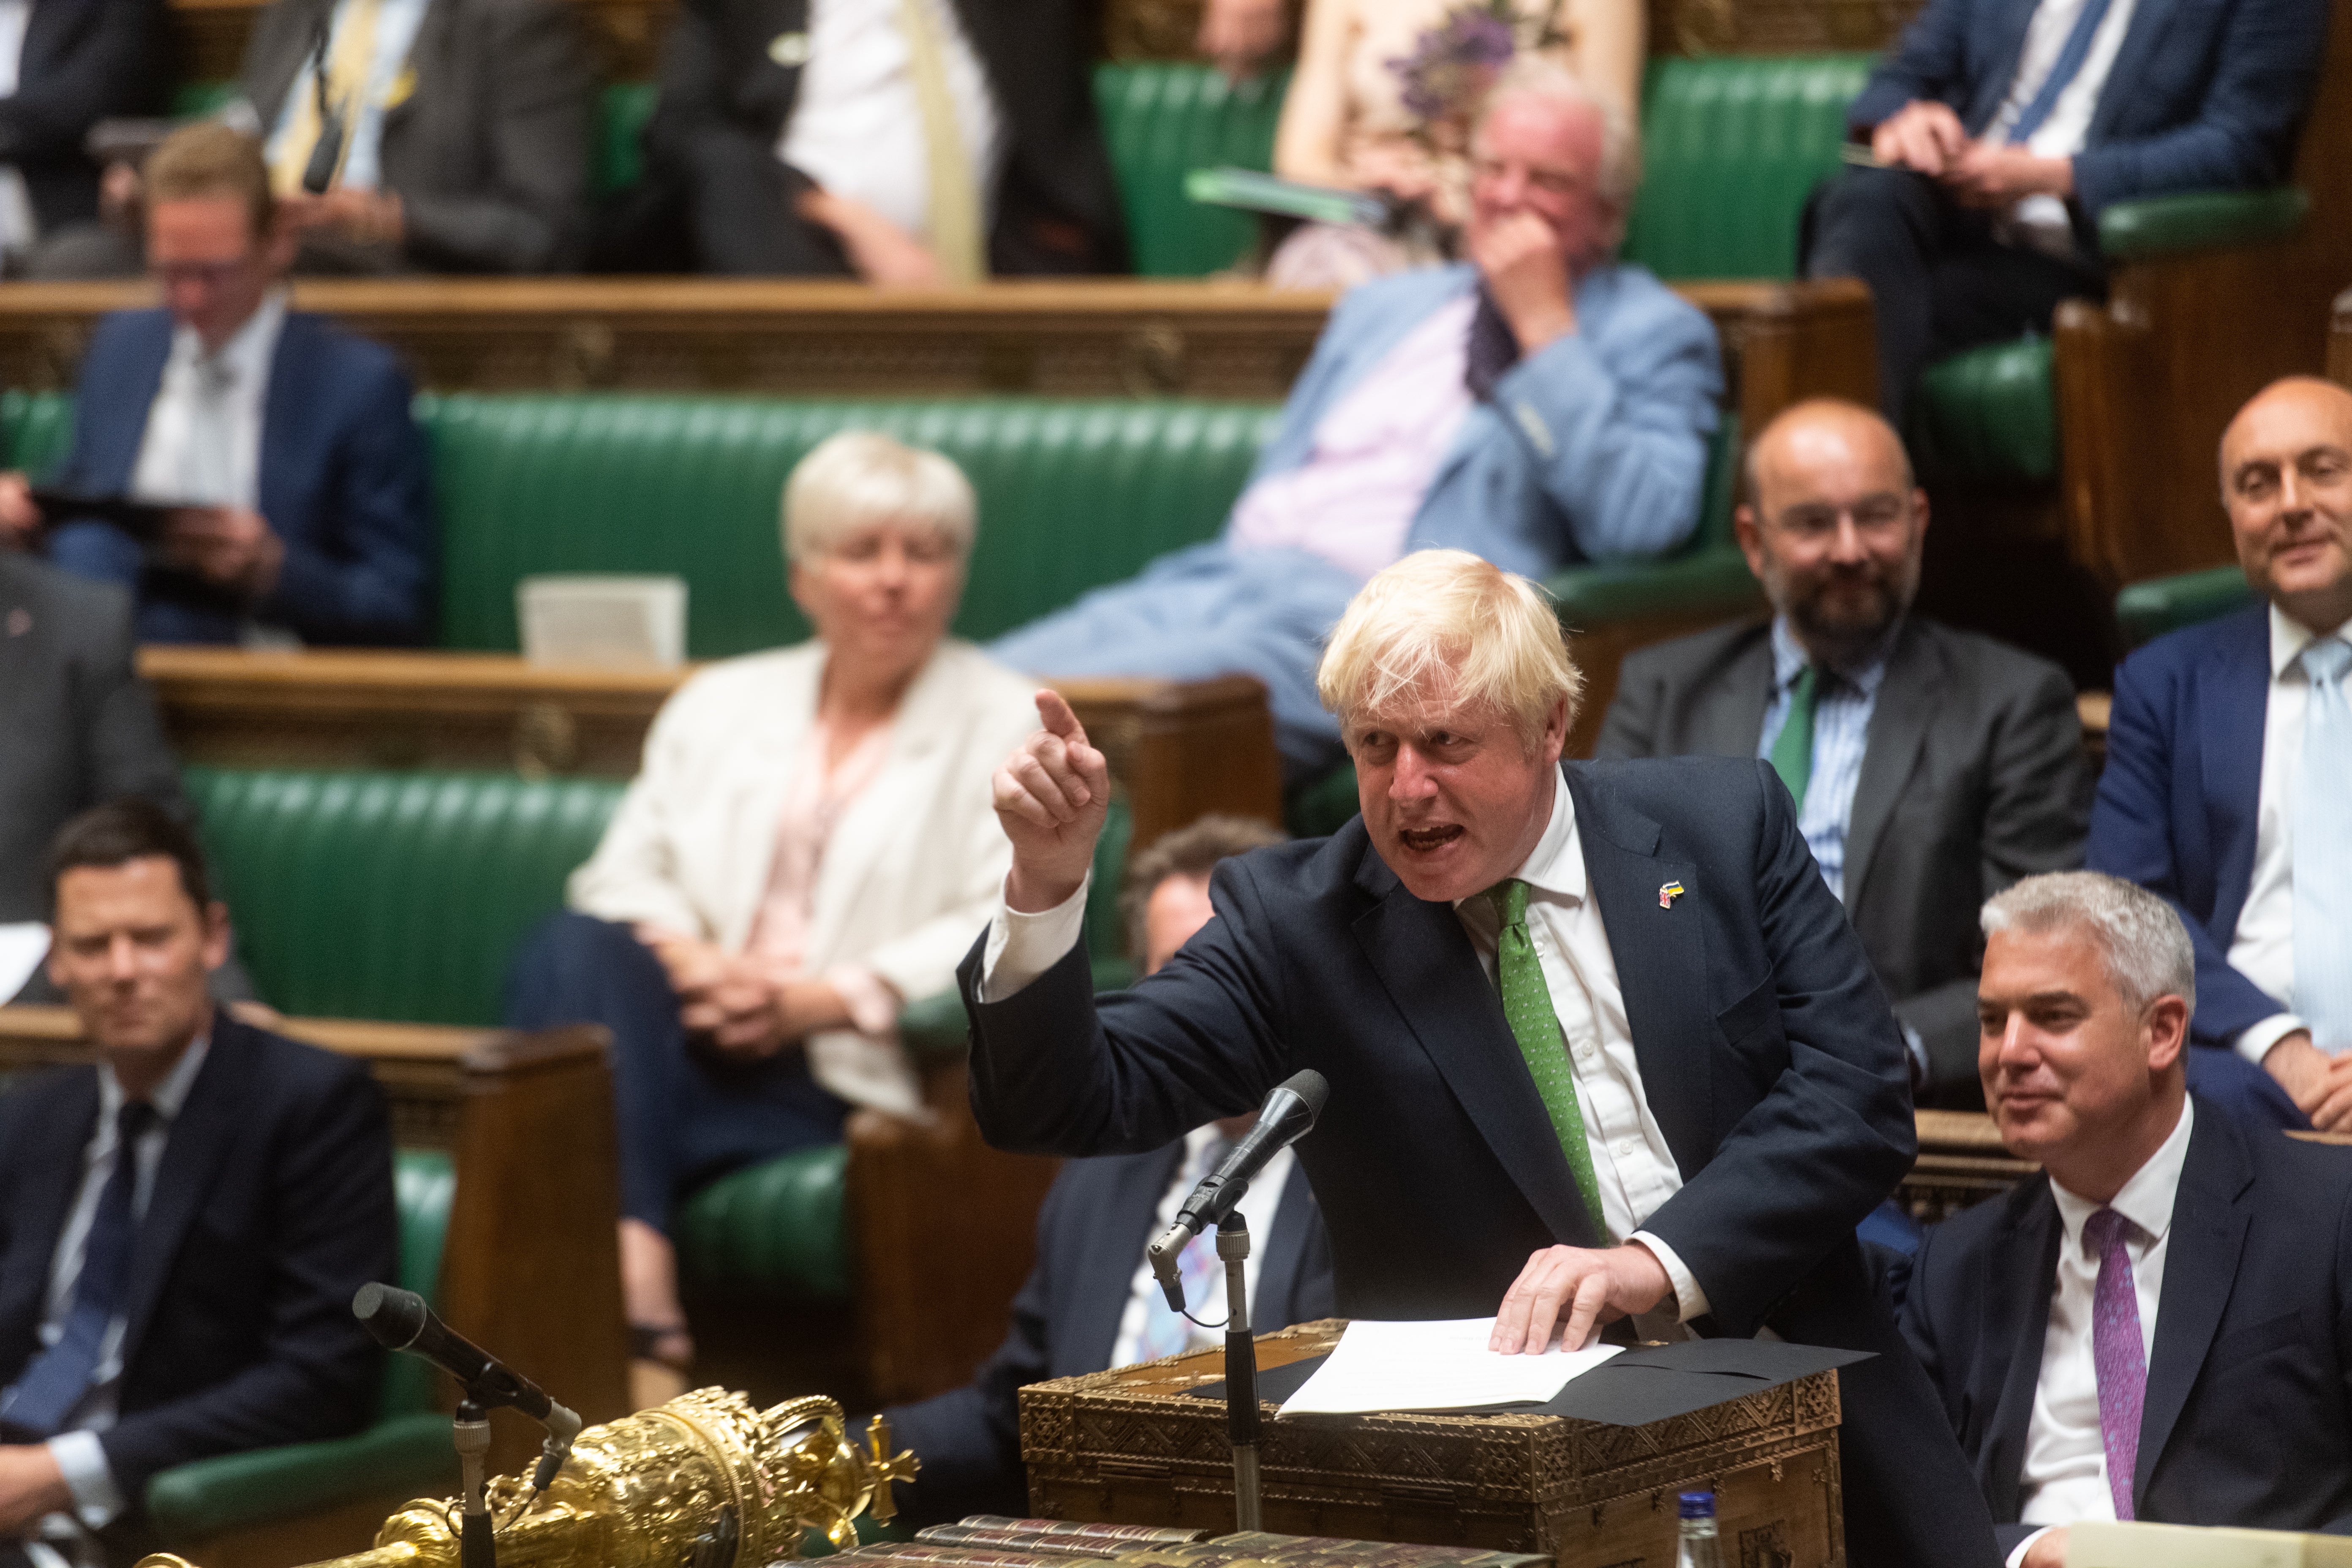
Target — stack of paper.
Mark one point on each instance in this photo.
(1434, 1366)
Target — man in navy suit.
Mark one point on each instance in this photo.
(2002, 128)
(2159, 1325)
(195, 1297)
(1090, 1302)
(2228, 760)
(1600, 1042)
(304, 490)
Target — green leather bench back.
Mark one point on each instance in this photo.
(391, 895)
(1731, 145)
(2147, 610)
(1072, 495)
(36, 430)
(618, 159)
(424, 1181)
(1990, 415)
(1164, 119)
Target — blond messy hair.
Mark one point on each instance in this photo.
(1445, 623)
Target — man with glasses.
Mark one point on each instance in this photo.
(1931, 767)
(297, 495)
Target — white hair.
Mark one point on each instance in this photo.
(1618, 178)
(859, 477)
(2146, 945)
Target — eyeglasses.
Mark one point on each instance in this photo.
(1874, 514)
(212, 274)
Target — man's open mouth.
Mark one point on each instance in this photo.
(1424, 839)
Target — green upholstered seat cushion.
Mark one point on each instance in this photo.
(1072, 495)
(621, 111)
(1164, 119)
(36, 430)
(773, 1230)
(2149, 609)
(392, 895)
(1990, 414)
(1731, 146)
(2200, 220)
(406, 1449)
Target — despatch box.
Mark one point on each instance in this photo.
(1133, 1446)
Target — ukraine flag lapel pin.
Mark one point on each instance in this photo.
(1668, 893)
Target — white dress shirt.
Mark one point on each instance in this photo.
(2065, 1474)
(2041, 221)
(96, 1498)
(1632, 1164)
(175, 464)
(18, 227)
(397, 23)
(856, 126)
(2262, 947)
(1258, 1207)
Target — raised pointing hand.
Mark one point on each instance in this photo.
(1051, 796)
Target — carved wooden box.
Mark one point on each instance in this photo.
(1131, 1447)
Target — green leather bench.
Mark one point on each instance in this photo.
(406, 1452)
(2145, 611)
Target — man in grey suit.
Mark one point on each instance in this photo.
(80, 724)
(1932, 767)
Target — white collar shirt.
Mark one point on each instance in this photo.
(1632, 1164)
(179, 461)
(97, 1500)
(2064, 1477)
(18, 226)
(2262, 947)
(1259, 1208)
(2042, 221)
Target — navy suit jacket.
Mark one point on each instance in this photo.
(2247, 1418)
(345, 480)
(272, 1206)
(1769, 1057)
(2177, 805)
(2204, 95)
(1091, 1235)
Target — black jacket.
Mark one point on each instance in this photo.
(272, 1206)
(83, 60)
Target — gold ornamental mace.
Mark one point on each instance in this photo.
(705, 1479)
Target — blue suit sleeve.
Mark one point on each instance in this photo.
(1929, 62)
(2243, 133)
(2131, 837)
(1617, 431)
(364, 578)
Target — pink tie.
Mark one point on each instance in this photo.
(2117, 1354)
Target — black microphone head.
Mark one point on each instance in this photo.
(1312, 1088)
(392, 1317)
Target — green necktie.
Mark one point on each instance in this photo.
(1527, 1003)
(1792, 749)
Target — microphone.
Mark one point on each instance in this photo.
(1287, 1115)
(399, 1321)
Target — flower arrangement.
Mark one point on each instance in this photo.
(1452, 64)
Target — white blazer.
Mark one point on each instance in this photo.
(913, 871)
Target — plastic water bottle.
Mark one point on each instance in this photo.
(1699, 1547)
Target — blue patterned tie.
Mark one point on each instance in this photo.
(56, 1380)
(2062, 71)
(1165, 1332)
(2323, 851)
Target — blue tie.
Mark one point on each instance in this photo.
(56, 1380)
(2062, 71)
(2322, 852)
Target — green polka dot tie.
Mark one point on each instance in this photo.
(1527, 1003)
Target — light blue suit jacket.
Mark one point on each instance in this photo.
(1593, 449)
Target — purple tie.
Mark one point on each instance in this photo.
(2118, 1355)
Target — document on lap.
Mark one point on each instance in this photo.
(22, 945)
(1441, 1365)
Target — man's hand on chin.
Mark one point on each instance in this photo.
(1579, 1287)
(31, 1485)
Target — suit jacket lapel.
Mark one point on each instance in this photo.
(1432, 974)
(2232, 702)
(2017, 1321)
(113, 450)
(2146, 28)
(1660, 953)
(200, 1137)
(1727, 717)
(288, 411)
(2208, 1231)
(283, 49)
(50, 1168)
(1102, 1278)
(1898, 729)
(2016, 17)
(1278, 1252)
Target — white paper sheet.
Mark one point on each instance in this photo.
(1434, 1366)
(22, 945)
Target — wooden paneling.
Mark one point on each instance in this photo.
(2148, 381)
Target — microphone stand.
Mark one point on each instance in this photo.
(478, 1546)
(1241, 1370)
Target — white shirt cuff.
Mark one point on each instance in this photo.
(1689, 1299)
(1021, 947)
(2255, 1043)
(97, 1500)
(2016, 1557)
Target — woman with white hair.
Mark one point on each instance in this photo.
(809, 846)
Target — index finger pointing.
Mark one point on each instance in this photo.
(1055, 713)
